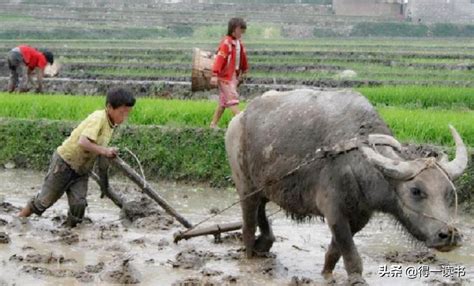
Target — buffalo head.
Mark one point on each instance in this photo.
(425, 192)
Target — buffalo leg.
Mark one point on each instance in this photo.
(249, 216)
(266, 238)
(342, 235)
(332, 257)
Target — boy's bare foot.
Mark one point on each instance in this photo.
(213, 126)
(25, 212)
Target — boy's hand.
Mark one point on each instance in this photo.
(110, 152)
(213, 81)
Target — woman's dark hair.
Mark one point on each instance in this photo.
(48, 55)
(118, 97)
(234, 23)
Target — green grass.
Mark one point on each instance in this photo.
(421, 97)
(364, 72)
(187, 73)
(383, 63)
(436, 61)
(9, 17)
(96, 33)
(136, 72)
(428, 125)
(258, 31)
(147, 111)
(422, 46)
(410, 123)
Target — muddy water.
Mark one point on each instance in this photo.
(107, 250)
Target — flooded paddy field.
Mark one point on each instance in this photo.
(107, 249)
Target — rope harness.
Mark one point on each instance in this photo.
(139, 165)
(341, 147)
(328, 152)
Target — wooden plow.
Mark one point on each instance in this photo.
(121, 165)
(215, 230)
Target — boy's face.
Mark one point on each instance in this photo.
(238, 32)
(118, 115)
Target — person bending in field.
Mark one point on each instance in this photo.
(73, 160)
(24, 61)
(229, 68)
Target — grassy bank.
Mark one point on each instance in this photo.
(185, 154)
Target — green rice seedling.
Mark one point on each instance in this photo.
(147, 111)
(421, 97)
(427, 125)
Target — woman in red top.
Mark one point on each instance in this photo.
(25, 60)
(229, 68)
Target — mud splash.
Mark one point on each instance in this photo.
(135, 246)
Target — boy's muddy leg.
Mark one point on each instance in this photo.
(57, 180)
(235, 109)
(217, 116)
(76, 196)
(103, 173)
(25, 77)
(14, 60)
(12, 83)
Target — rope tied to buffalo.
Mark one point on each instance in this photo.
(338, 148)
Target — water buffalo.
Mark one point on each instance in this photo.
(329, 154)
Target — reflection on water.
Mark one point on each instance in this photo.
(299, 248)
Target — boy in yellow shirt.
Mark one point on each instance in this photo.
(73, 160)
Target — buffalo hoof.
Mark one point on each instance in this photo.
(329, 278)
(256, 254)
(356, 280)
(260, 248)
(263, 244)
(249, 253)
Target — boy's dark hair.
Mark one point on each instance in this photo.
(48, 55)
(234, 23)
(117, 97)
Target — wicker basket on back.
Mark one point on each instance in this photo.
(202, 70)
